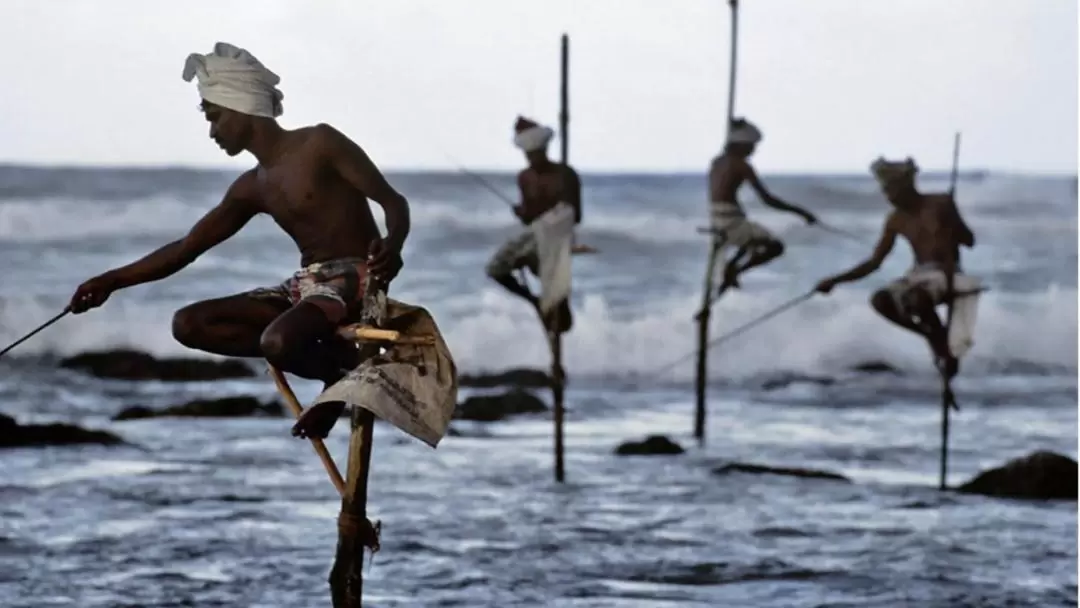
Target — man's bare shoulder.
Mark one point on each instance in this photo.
(325, 137)
(245, 187)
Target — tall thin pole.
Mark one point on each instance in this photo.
(948, 400)
(700, 380)
(556, 337)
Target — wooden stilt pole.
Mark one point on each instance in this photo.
(701, 379)
(557, 375)
(355, 531)
(948, 399)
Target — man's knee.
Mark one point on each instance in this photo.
(275, 345)
(189, 326)
(774, 249)
(883, 303)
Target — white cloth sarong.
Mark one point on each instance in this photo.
(413, 387)
(554, 232)
(731, 227)
(932, 279)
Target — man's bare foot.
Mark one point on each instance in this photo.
(317, 420)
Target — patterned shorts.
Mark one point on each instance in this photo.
(337, 281)
(518, 252)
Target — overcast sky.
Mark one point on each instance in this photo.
(832, 83)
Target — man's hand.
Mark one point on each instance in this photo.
(91, 294)
(811, 219)
(825, 286)
(384, 262)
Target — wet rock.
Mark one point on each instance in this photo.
(758, 469)
(653, 445)
(134, 365)
(226, 407)
(15, 435)
(1039, 475)
(489, 408)
(521, 377)
(787, 379)
(876, 367)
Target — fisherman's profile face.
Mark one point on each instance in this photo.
(229, 129)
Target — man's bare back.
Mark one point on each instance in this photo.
(544, 187)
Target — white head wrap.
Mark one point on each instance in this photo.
(233, 78)
(530, 136)
(743, 132)
(885, 170)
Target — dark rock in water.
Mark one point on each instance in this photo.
(524, 378)
(489, 408)
(1039, 475)
(876, 367)
(742, 467)
(226, 407)
(135, 365)
(787, 379)
(653, 445)
(15, 435)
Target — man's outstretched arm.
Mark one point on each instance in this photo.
(881, 250)
(226, 219)
(772, 201)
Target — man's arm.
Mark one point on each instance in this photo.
(769, 199)
(226, 219)
(881, 250)
(355, 167)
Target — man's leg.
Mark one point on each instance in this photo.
(761, 252)
(514, 254)
(919, 316)
(304, 342)
(229, 326)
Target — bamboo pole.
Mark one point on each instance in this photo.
(701, 375)
(557, 375)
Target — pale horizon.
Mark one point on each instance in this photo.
(424, 86)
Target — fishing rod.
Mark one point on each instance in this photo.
(33, 333)
(737, 331)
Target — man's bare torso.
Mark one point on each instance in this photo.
(726, 175)
(931, 229)
(326, 216)
(541, 190)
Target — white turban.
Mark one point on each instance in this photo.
(530, 136)
(886, 171)
(233, 78)
(743, 132)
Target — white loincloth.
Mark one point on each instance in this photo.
(554, 232)
(413, 387)
(965, 306)
(731, 227)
